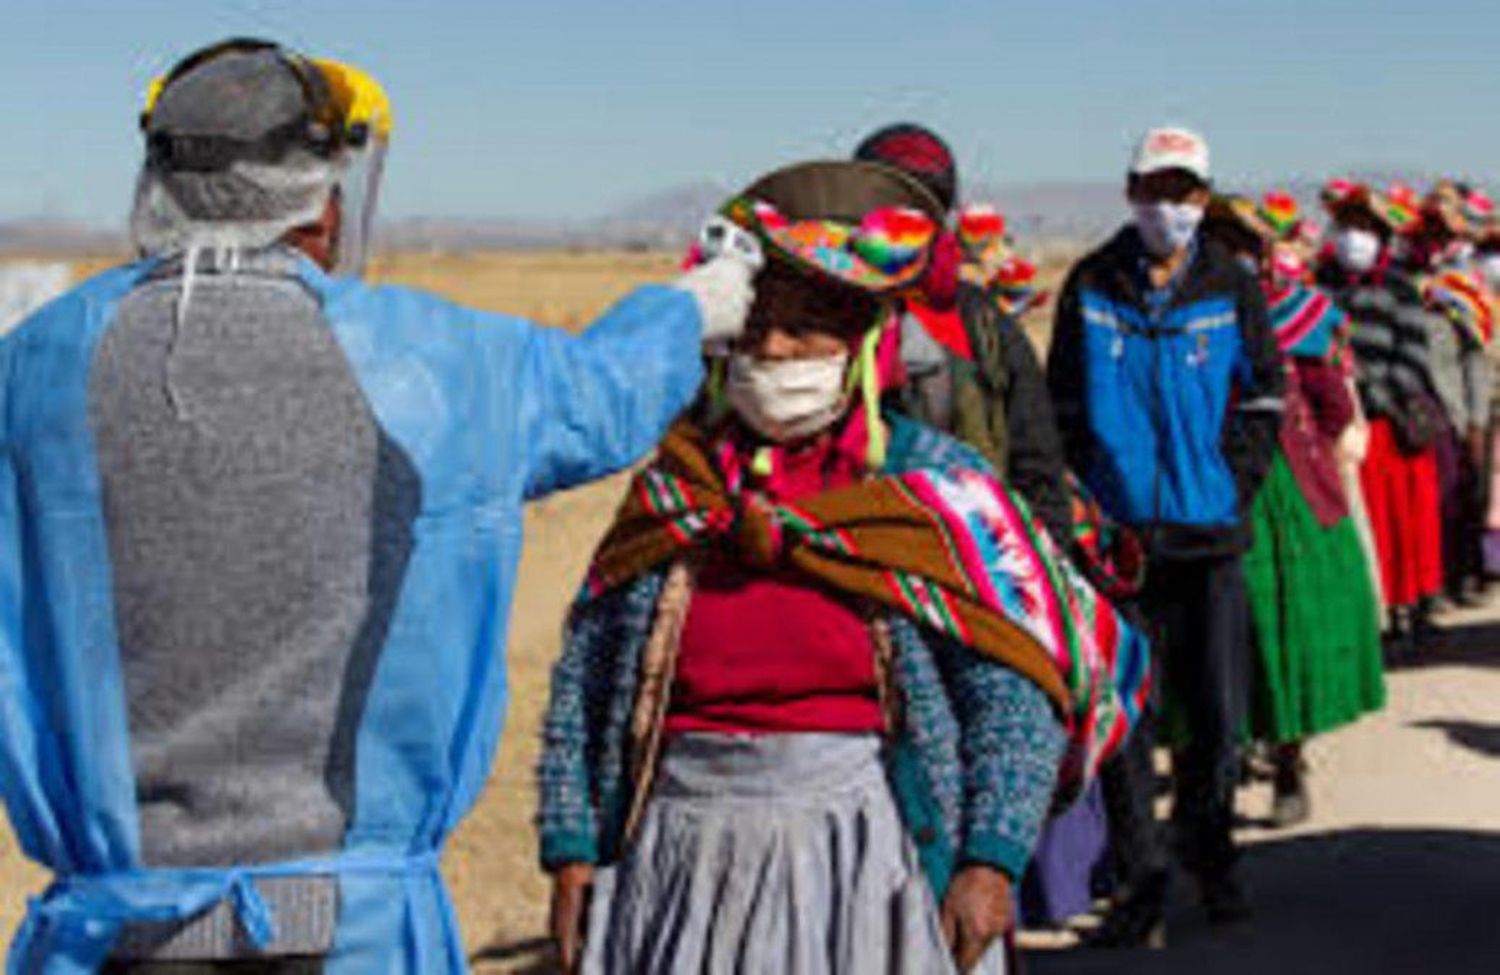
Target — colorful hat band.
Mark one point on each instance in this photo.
(980, 225)
(886, 250)
(1398, 210)
(992, 262)
(1280, 211)
(981, 232)
(1402, 207)
(1478, 211)
(1243, 212)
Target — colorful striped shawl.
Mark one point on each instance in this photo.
(950, 549)
(1464, 300)
(1306, 321)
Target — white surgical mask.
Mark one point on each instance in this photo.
(1356, 250)
(787, 399)
(1489, 266)
(1167, 228)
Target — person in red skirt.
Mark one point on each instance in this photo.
(1362, 271)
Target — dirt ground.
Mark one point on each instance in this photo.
(1396, 871)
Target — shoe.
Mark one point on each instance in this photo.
(1137, 920)
(1257, 764)
(1391, 652)
(1290, 809)
(1459, 599)
(1291, 804)
(1224, 900)
(1127, 926)
(1423, 629)
(1398, 644)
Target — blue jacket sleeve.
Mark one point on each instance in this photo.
(594, 403)
(1011, 744)
(10, 526)
(19, 791)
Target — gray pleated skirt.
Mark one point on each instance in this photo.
(777, 854)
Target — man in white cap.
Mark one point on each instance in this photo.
(1165, 378)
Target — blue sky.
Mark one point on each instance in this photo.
(572, 108)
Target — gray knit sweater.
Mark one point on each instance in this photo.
(258, 528)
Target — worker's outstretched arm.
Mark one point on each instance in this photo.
(594, 403)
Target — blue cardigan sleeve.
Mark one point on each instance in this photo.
(585, 732)
(1011, 744)
(567, 819)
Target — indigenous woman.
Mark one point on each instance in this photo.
(1461, 325)
(1315, 617)
(1293, 259)
(811, 707)
(1361, 272)
(1487, 265)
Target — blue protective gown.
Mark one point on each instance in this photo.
(493, 411)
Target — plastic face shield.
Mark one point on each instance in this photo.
(367, 117)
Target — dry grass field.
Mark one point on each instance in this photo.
(500, 894)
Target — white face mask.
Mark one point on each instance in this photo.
(790, 399)
(1356, 250)
(1167, 228)
(1489, 266)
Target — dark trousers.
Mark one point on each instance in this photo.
(1198, 613)
(1465, 505)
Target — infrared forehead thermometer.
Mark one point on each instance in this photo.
(722, 237)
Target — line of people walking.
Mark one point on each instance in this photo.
(1203, 409)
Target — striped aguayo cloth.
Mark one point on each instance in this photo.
(1307, 323)
(951, 549)
(1465, 301)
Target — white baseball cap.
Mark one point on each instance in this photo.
(1171, 148)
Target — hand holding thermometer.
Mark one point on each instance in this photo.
(723, 238)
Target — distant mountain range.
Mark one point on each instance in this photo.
(1046, 215)
(1050, 212)
(57, 237)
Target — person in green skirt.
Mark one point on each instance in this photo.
(1315, 614)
